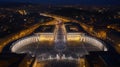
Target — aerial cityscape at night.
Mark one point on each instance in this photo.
(59, 33)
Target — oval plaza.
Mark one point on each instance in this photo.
(62, 41)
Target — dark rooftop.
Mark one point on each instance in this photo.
(112, 60)
(45, 29)
(114, 35)
(73, 27)
(11, 59)
(109, 59)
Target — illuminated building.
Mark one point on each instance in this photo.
(46, 32)
(46, 35)
(43, 35)
(38, 44)
(74, 32)
(22, 12)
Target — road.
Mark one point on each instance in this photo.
(60, 40)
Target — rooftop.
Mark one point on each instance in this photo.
(73, 27)
(45, 29)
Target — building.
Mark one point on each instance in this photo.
(74, 31)
(46, 32)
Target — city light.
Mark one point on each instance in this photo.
(59, 35)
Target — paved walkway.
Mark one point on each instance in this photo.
(60, 38)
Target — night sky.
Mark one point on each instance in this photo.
(80, 2)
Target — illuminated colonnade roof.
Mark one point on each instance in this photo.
(95, 42)
(75, 32)
(43, 33)
(29, 44)
(23, 42)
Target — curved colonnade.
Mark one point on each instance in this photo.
(95, 42)
(34, 39)
(23, 42)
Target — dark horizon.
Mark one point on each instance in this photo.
(64, 2)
